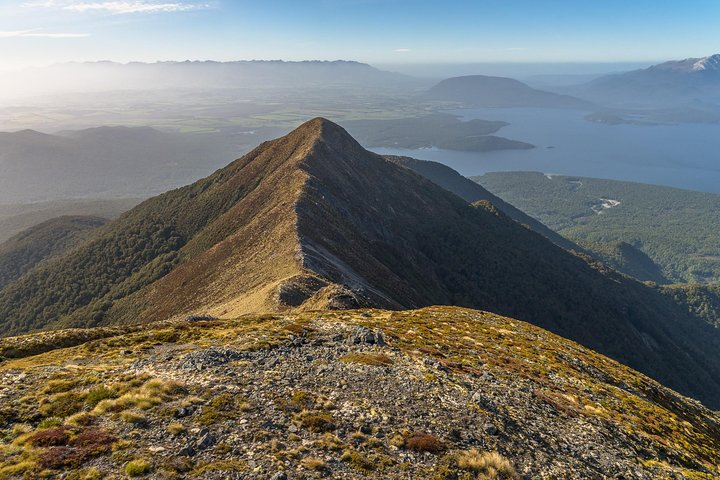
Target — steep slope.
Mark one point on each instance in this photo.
(54, 237)
(620, 256)
(471, 192)
(703, 300)
(485, 91)
(440, 393)
(234, 212)
(627, 259)
(312, 220)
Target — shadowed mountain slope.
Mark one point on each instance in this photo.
(470, 191)
(620, 256)
(314, 221)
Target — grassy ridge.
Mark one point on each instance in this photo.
(446, 389)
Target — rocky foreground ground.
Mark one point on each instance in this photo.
(437, 393)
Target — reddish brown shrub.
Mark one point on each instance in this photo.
(423, 442)
(52, 437)
(60, 457)
(94, 441)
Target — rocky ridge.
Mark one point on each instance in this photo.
(437, 393)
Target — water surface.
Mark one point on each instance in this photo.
(684, 156)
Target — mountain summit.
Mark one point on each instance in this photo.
(313, 221)
(486, 91)
(691, 65)
(691, 81)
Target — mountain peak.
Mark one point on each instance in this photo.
(320, 128)
(306, 138)
(689, 65)
(711, 63)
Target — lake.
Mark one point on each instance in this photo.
(684, 156)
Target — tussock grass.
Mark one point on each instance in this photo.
(487, 465)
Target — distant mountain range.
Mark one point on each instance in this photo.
(14, 219)
(485, 91)
(313, 221)
(673, 83)
(106, 162)
(255, 74)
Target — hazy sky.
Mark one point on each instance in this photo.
(374, 31)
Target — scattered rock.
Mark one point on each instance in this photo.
(210, 358)
(206, 441)
(200, 318)
(365, 336)
(187, 451)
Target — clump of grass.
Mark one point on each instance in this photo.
(221, 408)
(50, 422)
(313, 463)
(13, 471)
(138, 468)
(21, 429)
(82, 419)
(423, 442)
(150, 394)
(357, 460)
(366, 358)
(59, 386)
(175, 465)
(98, 394)
(221, 466)
(299, 400)
(330, 442)
(134, 418)
(316, 422)
(86, 474)
(176, 428)
(62, 404)
(490, 465)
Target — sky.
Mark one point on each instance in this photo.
(40, 32)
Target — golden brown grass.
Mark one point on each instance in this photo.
(487, 465)
(364, 358)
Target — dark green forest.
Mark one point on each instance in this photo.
(678, 230)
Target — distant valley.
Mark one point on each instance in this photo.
(106, 162)
(676, 229)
